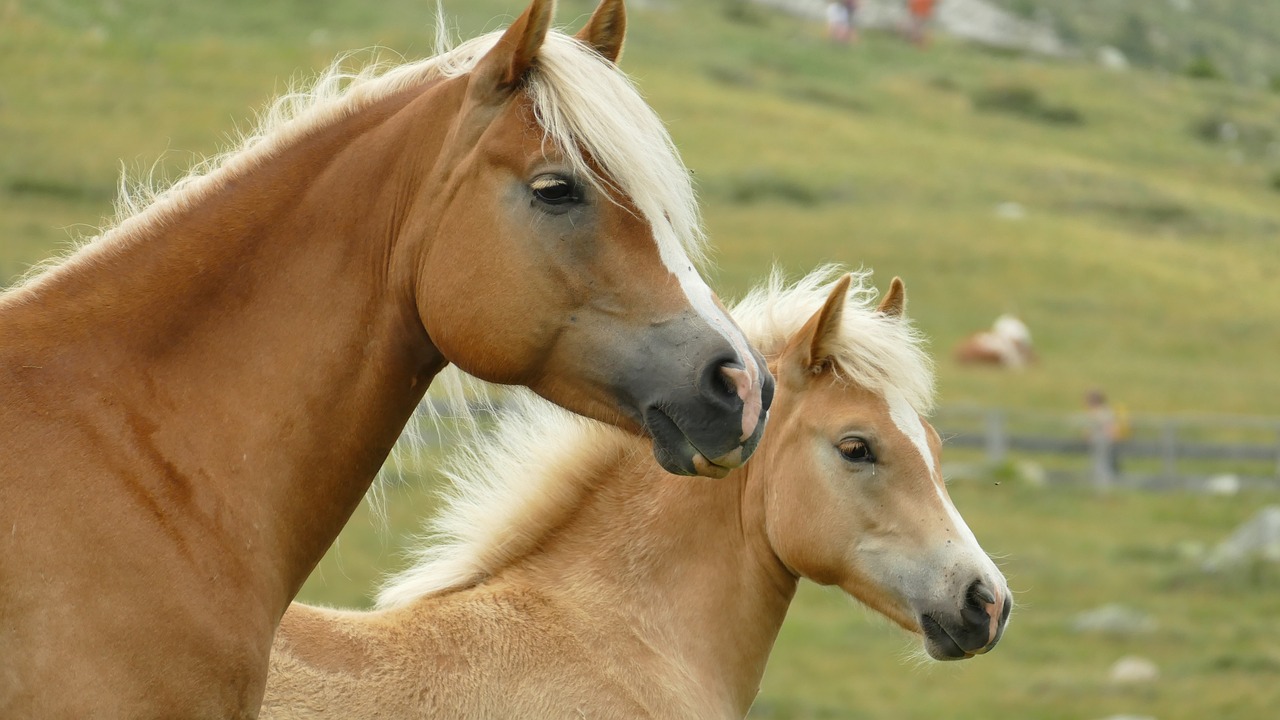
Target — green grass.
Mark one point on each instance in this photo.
(1147, 264)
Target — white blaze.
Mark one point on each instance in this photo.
(703, 303)
(908, 421)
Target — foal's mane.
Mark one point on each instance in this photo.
(510, 486)
(585, 104)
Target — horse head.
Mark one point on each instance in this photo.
(554, 240)
(858, 499)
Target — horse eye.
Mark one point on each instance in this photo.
(555, 190)
(855, 450)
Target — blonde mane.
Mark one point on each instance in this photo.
(585, 104)
(508, 487)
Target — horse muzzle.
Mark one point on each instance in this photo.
(972, 631)
(717, 428)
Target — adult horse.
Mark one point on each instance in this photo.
(576, 578)
(194, 403)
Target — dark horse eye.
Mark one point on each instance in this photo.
(856, 450)
(555, 190)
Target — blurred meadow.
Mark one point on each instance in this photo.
(1130, 217)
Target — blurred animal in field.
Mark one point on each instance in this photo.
(1007, 345)
(573, 577)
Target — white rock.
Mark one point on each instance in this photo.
(1223, 485)
(1114, 619)
(1257, 539)
(1133, 670)
(1010, 211)
(1112, 59)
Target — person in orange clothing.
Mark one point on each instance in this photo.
(921, 11)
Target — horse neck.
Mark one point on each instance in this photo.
(685, 564)
(258, 332)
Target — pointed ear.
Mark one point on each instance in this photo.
(606, 29)
(506, 64)
(894, 303)
(811, 349)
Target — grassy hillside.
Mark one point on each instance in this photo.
(1239, 39)
(1146, 261)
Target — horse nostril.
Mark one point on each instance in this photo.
(726, 379)
(722, 378)
(979, 595)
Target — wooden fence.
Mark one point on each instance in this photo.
(1192, 452)
(1159, 452)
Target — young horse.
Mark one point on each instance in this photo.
(578, 579)
(195, 402)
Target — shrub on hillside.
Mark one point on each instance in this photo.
(744, 12)
(1134, 40)
(1202, 67)
(1026, 103)
(1221, 128)
(767, 186)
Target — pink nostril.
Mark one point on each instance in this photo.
(989, 605)
(741, 382)
(996, 610)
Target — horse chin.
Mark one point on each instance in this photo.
(678, 456)
(939, 644)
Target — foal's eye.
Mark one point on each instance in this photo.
(555, 190)
(855, 450)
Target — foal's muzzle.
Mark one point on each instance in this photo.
(974, 630)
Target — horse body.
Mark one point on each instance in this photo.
(1007, 344)
(595, 625)
(196, 401)
(605, 587)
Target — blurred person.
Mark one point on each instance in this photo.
(1108, 428)
(841, 21)
(920, 12)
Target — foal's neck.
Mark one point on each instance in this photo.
(685, 564)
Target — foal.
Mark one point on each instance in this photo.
(577, 579)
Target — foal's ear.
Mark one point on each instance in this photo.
(812, 349)
(894, 303)
(606, 29)
(506, 64)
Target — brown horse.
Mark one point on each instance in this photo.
(192, 404)
(573, 577)
(1007, 345)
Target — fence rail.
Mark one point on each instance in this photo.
(1172, 451)
(1162, 452)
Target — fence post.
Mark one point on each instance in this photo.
(1278, 451)
(997, 443)
(1169, 449)
(1102, 451)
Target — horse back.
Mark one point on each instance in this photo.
(474, 653)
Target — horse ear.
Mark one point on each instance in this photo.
(606, 29)
(812, 348)
(894, 303)
(506, 64)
